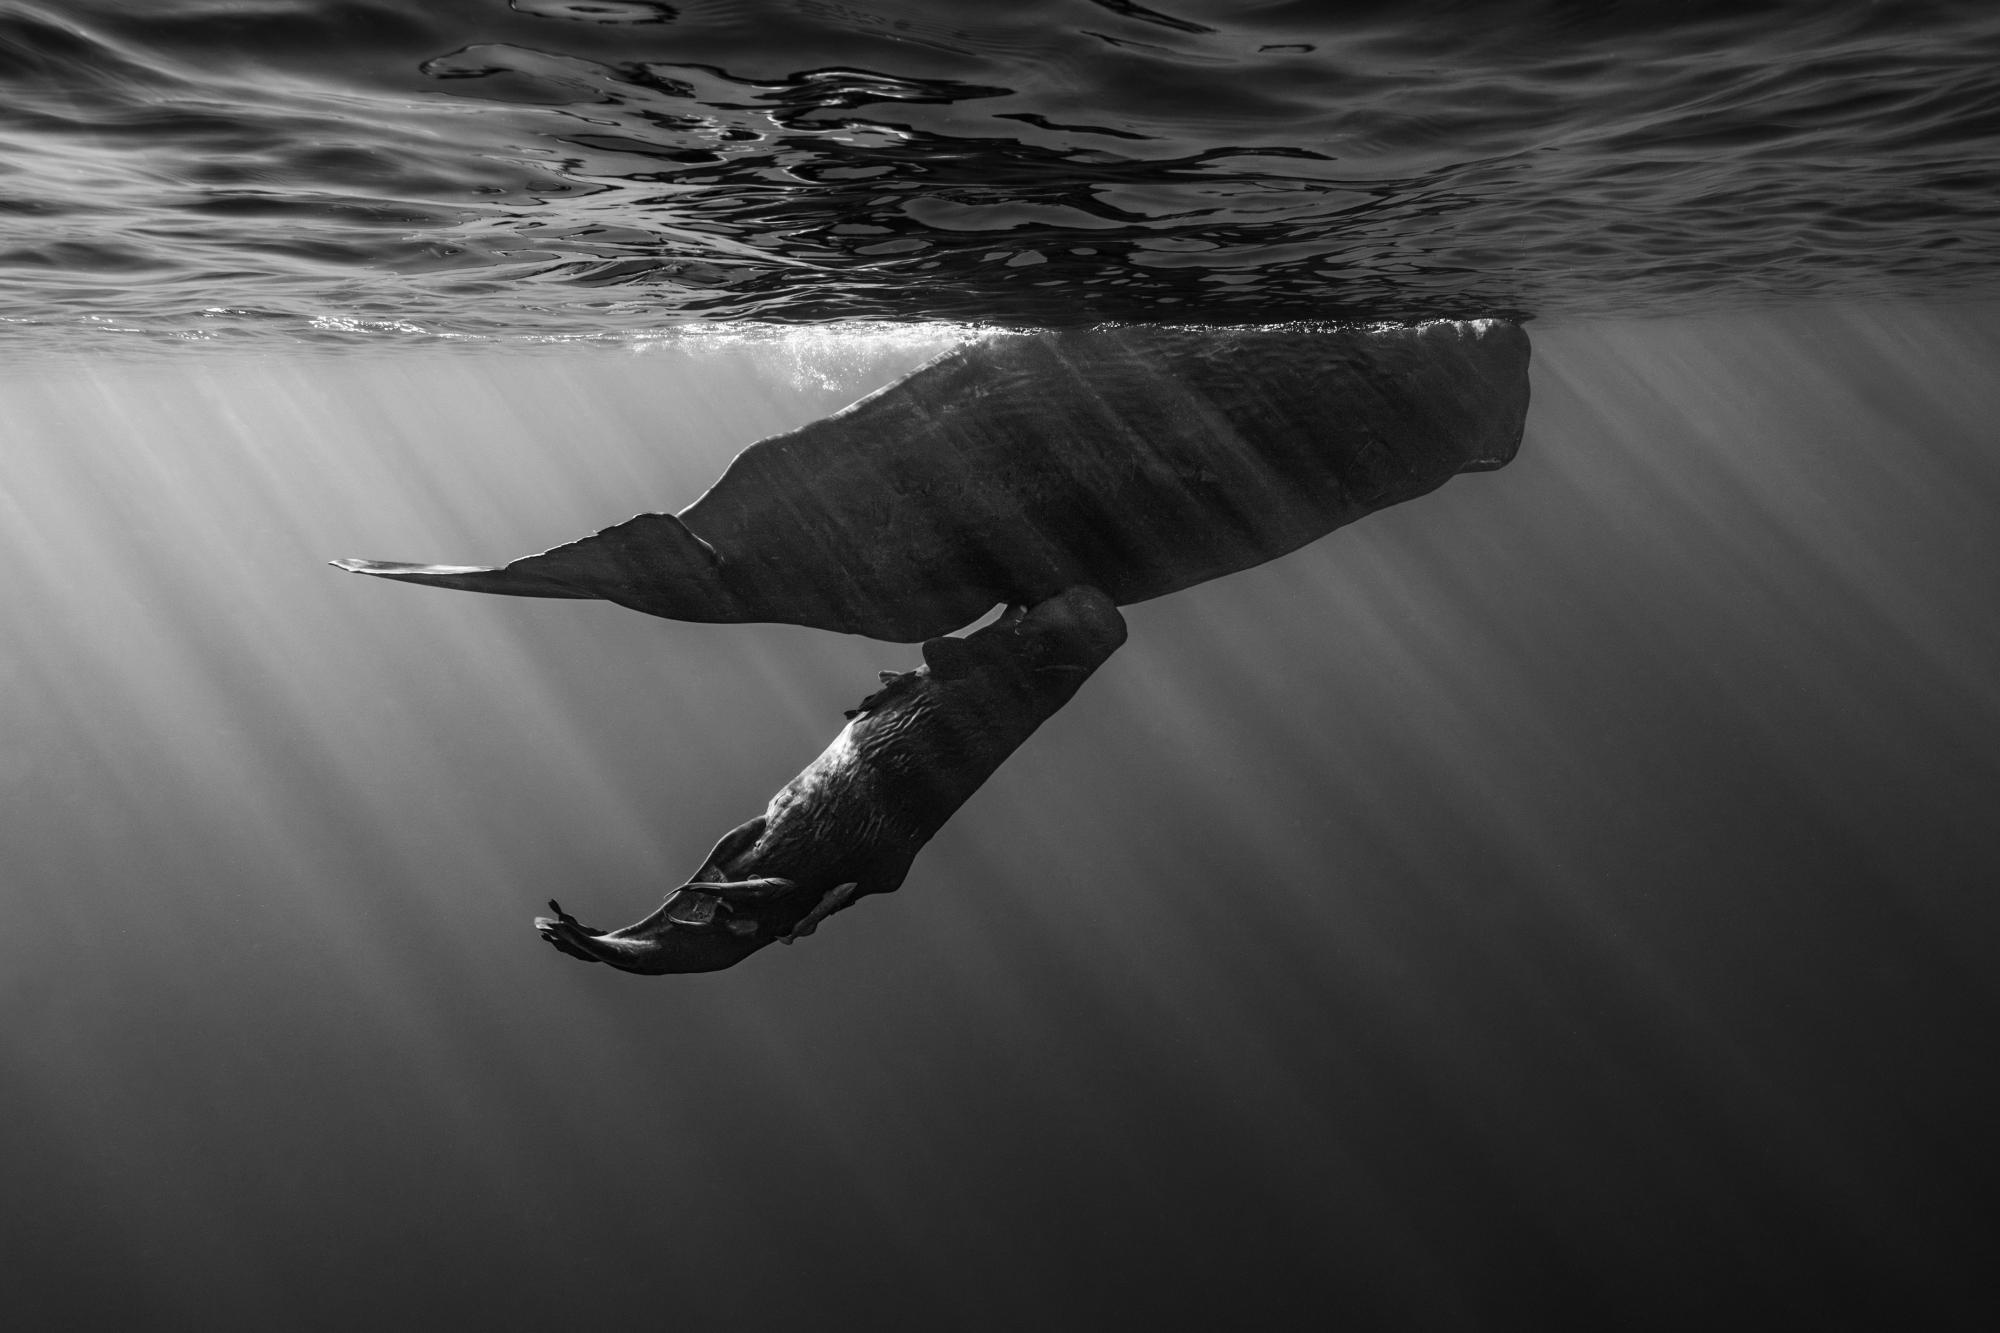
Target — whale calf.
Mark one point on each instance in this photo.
(1137, 460)
(851, 824)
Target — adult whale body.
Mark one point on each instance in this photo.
(1138, 460)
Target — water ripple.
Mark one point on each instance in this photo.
(327, 170)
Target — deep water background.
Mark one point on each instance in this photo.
(1563, 901)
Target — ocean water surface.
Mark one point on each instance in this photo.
(343, 170)
(1562, 901)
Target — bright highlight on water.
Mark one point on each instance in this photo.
(341, 172)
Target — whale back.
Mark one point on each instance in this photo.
(1138, 460)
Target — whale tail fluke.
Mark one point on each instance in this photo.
(651, 563)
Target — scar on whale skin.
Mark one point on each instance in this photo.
(852, 823)
(1136, 460)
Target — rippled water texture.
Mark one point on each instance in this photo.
(349, 171)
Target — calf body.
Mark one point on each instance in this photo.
(854, 820)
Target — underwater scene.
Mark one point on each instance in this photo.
(1350, 649)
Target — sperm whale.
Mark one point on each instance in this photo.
(1137, 460)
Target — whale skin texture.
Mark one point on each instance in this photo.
(1136, 460)
(853, 821)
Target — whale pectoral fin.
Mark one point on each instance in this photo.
(761, 889)
(646, 558)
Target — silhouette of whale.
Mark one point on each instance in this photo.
(851, 824)
(1137, 460)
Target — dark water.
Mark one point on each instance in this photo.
(1566, 901)
(335, 170)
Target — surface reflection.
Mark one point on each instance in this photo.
(338, 172)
